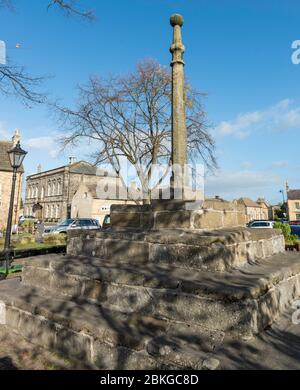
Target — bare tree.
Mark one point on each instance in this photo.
(131, 117)
(14, 80)
(69, 7)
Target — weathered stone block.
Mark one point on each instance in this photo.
(108, 358)
(126, 220)
(73, 344)
(208, 220)
(36, 276)
(173, 219)
(12, 317)
(230, 219)
(37, 329)
(67, 284)
(121, 249)
(93, 290)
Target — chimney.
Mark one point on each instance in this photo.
(39, 168)
(72, 160)
(16, 138)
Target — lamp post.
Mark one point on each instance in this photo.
(16, 157)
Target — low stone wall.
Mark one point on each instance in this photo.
(215, 250)
(214, 214)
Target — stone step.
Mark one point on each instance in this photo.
(214, 250)
(243, 301)
(102, 337)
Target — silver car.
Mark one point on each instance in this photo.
(72, 224)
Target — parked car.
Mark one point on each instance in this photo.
(295, 229)
(106, 223)
(72, 224)
(262, 225)
(294, 222)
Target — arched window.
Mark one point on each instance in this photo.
(57, 211)
(49, 188)
(54, 187)
(59, 187)
(53, 211)
(36, 193)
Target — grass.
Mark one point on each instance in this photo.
(30, 245)
(12, 270)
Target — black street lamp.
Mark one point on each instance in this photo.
(16, 157)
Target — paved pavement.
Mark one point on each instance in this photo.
(277, 348)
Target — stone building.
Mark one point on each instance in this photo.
(266, 209)
(50, 194)
(293, 201)
(254, 210)
(90, 201)
(6, 173)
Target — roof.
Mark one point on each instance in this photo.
(293, 195)
(262, 200)
(80, 167)
(248, 202)
(95, 192)
(5, 166)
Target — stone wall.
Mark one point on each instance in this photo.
(215, 214)
(217, 250)
(5, 191)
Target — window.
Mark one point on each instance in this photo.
(59, 187)
(260, 224)
(297, 205)
(57, 214)
(49, 189)
(54, 187)
(298, 217)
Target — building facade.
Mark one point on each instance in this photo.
(91, 201)
(254, 210)
(293, 203)
(6, 174)
(67, 192)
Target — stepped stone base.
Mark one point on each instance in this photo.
(216, 250)
(161, 299)
(115, 315)
(174, 214)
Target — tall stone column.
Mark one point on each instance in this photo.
(179, 133)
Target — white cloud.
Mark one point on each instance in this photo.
(279, 117)
(46, 143)
(230, 184)
(280, 164)
(40, 142)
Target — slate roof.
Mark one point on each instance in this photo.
(80, 167)
(4, 159)
(293, 195)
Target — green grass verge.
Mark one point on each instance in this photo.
(12, 270)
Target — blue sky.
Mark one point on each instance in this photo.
(238, 52)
